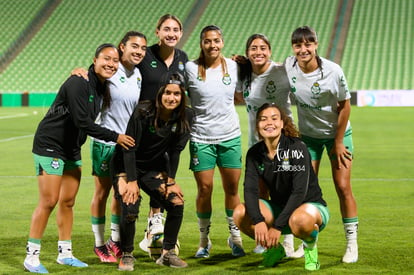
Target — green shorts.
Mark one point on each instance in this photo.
(101, 155)
(54, 166)
(323, 210)
(317, 145)
(226, 154)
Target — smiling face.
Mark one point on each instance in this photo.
(169, 33)
(133, 51)
(106, 63)
(211, 44)
(258, 52)
(171, 97)
(305, 51)
(269, 123)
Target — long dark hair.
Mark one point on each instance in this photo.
(246, 69)
(306, 34)
(289, 128)
(180, 114)
(106, 101)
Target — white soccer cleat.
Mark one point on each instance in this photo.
(351, 253)
(155, 224)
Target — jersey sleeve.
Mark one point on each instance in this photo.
(134, 129)
(251, 188)
(80, 102)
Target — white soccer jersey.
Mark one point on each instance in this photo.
(272, 86)
(216, 119)
(125, 88)
(317, 95)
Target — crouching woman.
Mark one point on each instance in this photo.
(281, 164)
(161, 131)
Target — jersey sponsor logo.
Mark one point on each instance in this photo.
(122, 79)
(55, 164)
(154, 64)
(307, 106)
(181, 66)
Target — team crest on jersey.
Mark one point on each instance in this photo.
(174, 128)
(151, 129)
(270, 89)
(316, 90)
(226, 79)
(91, 98)
(154, 64)
(260, 167)
(139, 82)
(55, 164)
(293, 88)
(122, 79)
(104, 166)
(181, 66)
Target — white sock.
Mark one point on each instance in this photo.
(33, 253)
(115, 235)
(233, 229)
(65, 249)
(288, 238)
(351, 232)
(204, 225)
(99, 233)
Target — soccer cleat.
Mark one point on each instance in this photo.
(171, 259)
(127, 262)
(72, 261)
(236, 250)
(259, 249)
(204, 252)
(35, 269)
(311, 259)
(155, 224)
(104, 255)
(273, 255)
(351, 253)
(114, 247)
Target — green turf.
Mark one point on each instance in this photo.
(383, 183)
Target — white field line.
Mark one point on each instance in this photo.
(13, 116)
(15, 138)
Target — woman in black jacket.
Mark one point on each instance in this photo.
(57, 153)
(281, 164)
(161, 130)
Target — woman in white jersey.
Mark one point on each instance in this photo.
(215, 136)
(323, 103)
(125, 89)
(264, 81)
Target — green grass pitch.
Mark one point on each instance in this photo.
(382, 179)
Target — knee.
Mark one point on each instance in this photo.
(131, 211)
(238, 214)
(302, 224)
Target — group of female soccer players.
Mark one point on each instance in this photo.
(140, 93)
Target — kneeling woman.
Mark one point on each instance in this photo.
(161, 131)
(281, 163)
